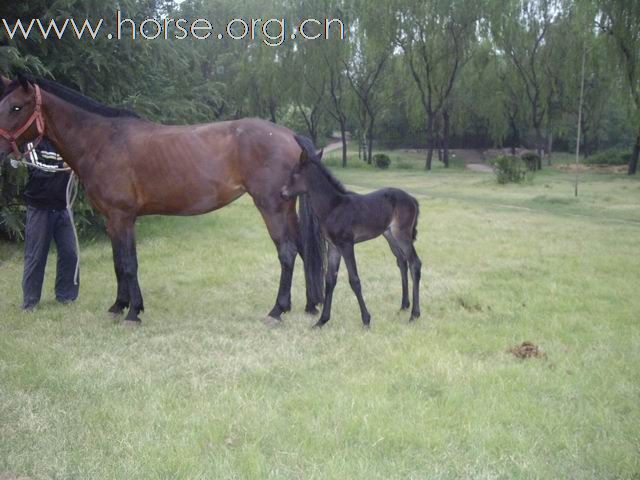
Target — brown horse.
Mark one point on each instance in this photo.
(131, 167)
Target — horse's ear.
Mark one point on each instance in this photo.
(24, 82)
(320, 154)
(5, 81)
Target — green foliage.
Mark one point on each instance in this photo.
(381, 160)
(509, 169)
(613, 156)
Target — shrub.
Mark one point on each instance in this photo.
(531, 160)
(509, 169)
(380, 160)
(612, 156)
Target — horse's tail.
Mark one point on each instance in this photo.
(313, 251)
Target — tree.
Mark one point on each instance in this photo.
(519, 28)
(435, 38)
(620, 19)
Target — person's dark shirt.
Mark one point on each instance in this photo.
(46, 190)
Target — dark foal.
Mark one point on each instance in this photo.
(348, 218)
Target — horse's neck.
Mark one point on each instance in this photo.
(323, 195)
(75, 132)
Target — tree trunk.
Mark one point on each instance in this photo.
(539, 147)
(633, 163)
(549, 147)
(343, 136)
(515, 137)
(370, 140)
(429, 142)
(445, 139)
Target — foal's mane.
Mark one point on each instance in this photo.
(337, 184)
(72, 96)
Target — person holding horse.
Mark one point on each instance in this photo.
(48, 219)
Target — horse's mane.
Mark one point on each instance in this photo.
(72, 96)
(310, 149)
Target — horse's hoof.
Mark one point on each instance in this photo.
(271, 322)
(318, 325)
(132, 323)
(414, 317)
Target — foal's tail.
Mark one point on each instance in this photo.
(313, 251)
(415, 222)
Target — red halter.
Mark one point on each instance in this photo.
(36, 117)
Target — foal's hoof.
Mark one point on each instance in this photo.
(311, 310)
(318, 325)
(271, 322)
(115, 311)
(414, 317)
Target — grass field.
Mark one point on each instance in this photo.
(204, 390)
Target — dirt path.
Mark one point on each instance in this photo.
(479, 167)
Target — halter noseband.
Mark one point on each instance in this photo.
(36, 117)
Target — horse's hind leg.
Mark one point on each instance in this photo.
(282, 223)
(402, 265)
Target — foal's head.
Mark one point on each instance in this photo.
(17, 104)
(299, 179)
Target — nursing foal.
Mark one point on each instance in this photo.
(348, 218)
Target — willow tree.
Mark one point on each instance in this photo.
(435, 38)
(620, 19)
(519, 29)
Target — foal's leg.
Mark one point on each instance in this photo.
(122, 232)
(415, 265)
(354, 280)
(333, 265)
(402, 265)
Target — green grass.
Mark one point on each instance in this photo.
(204, 390)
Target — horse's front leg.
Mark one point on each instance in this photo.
(121, 229)
(122, 296)
(354, 281)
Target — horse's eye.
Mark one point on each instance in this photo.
(16, 108)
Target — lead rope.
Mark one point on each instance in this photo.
(71, 194)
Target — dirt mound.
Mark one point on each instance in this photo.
(527, 350)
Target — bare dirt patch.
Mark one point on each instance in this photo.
(571, 167)
(527, 350)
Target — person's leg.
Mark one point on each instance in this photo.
(66, 290)
(38, 232)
